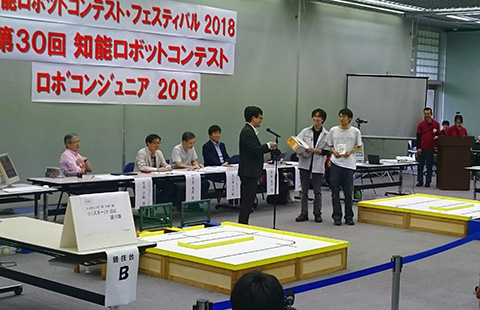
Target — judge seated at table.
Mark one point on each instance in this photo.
(184, 156)
(71, 161)
(150, 158)
(214, 151)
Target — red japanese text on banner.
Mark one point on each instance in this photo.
(154, 16)
(24, 40)
(95, 84)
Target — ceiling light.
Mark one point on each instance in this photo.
(476, 8)
(368, 6)
(393, 5)
(466, 19)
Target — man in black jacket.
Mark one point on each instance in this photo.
(251, 160)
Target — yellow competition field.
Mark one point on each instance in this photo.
(437, 214)
(215, 257)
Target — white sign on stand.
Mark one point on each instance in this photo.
(122, 273)
(98, 221)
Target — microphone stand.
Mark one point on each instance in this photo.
(275, 158)
(275, 164)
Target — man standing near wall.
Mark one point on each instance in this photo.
(251, 160)
(344, 141)
(427, 133)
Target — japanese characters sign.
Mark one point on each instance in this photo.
(88, 84)
(154, 16)
(233, 184)
(143, 192)
(122, 273)
(40, 41)
(97, 221)
(145, 34)
(270, 174)
(193, 186)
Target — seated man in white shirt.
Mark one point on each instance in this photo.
(184, 156)
(71, 161)
(150, 158)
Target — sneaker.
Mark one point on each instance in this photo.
(419, 184)
(427, 184)
(350, 222)
(318, 219)
(302, 218)
(337, 223)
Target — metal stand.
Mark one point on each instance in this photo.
(275, 157)
(397, 269)
(203, 304)
(275, 160)
(16, 288)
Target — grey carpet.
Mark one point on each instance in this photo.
(441, 282)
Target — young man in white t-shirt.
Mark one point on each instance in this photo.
(344, 141)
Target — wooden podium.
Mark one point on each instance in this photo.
(454, 154)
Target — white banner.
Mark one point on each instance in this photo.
(154, 16)
(47, 42)
(122, 273)
(270, 179)
(232, 185)
(87, 84)
(143, 192)
(193, 186)
(297, 179)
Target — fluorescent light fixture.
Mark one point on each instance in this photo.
(450, 10)
(392, 5)
(465, 19)
(368, 6)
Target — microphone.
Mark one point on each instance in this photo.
(273, 133)
(360, 121)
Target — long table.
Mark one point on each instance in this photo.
(94, 183)
(386, 166)
(44, 237)
(106, 182)
(474, 170)
(24, 192)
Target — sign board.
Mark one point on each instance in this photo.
(98, 221)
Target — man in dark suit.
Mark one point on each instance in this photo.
(214, 151)
(251, 160)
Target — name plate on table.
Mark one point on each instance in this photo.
(98, 221)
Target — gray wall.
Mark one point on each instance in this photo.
(334, 41)
(462, 79)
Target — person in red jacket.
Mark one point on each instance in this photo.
(427, 133)
(445, 125)
(457, 129)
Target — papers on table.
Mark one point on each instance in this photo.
(19, 189)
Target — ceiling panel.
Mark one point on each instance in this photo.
(449, 15)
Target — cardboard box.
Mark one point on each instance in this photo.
(297, 144)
